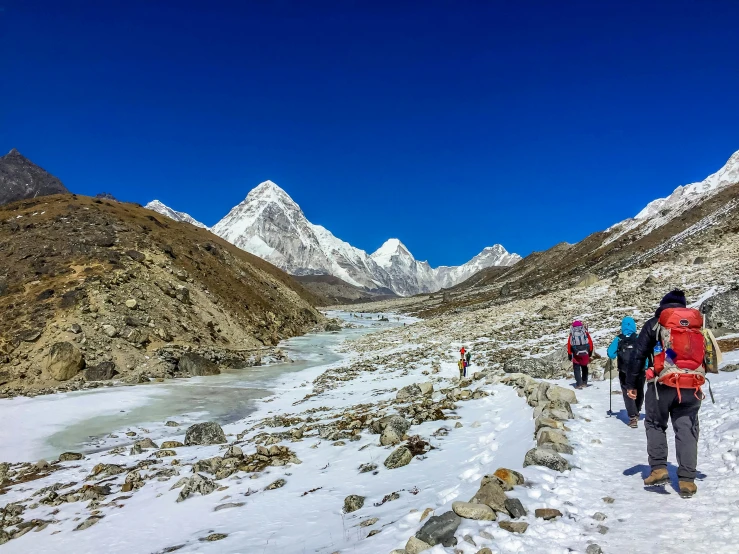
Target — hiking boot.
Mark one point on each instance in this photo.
(657, 477)
(687, 489)
(634, 422)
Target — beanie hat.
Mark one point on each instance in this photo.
(674, 297)
(577, 323)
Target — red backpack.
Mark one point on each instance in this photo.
(680, 363)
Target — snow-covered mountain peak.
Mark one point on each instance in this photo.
(391, 248)
(269, 191)
(159, 207)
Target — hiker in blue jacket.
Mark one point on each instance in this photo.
(623, 349)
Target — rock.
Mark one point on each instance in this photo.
(587, 280)
(172, 424)
(395, 428)
(205, 434)
(722, 311)
(558, 447)
(546, 458)
(196, 365)
(547, 513)
(547, 435)
(426, 388)
(234, 452)
(275, 485)
(556, 392)
(89, 522)
(484, 550)
(602, 529)
(542, 422)
(75, 328)
(136, 255)
(332, 326)
(426, 513)
(145, 444)
(492, 495)
(514, 526)
(515, 508)
(537, 368)
(64, 361)
(171, 444)
(110, 330)
(352, 503)
(730, 367)
(195, 484)
(699, 260)
(599, 516)
(366, 468)
(608, 500)
(415, 545)
(228, 505)
(469, 510)
(593, 549)
(30, 335)
(104, 371)
(440, 530)
(131, 303)
(166, 453)
(507, 477)
(70, 456)
(214, 537)
(400, 457)
(369, 522)
(408, 392)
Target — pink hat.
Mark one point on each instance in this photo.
(577, 323)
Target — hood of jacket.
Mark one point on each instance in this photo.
(666, 306)
(628, 326)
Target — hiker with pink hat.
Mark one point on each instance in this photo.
(579, 350)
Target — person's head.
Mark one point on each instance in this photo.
(577, 323)
(628, 326)
(675, 296)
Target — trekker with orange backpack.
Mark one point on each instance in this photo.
(674, 344)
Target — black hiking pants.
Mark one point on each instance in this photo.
(633, 407)
(684, 415)
(581, 374)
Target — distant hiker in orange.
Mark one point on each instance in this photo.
(461, 366)
(579, 350)
(461, 352)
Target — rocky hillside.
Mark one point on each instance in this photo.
(333, 291)
(20, 178)
(113, 288)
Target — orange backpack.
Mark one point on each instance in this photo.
(680, 363)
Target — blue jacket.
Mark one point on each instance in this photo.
(628, 327)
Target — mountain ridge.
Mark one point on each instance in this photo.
(21, 179)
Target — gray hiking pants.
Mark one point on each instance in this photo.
(684, 415)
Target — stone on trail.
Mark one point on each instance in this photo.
(195, 484)
(400, 457)
(410, 391)
(196, 365)
(507, 477)
(556, 392)
(546, 458)
(542, 421)
(415, 545)
(352, 503)
(593, 549)
(485, 551)
(546, 435)
(70, 456)
(395, 428)
(276, 485)
(469, 510)
(547, 513)
(515, 508)
(145, 444)
(171, 444)
(64, 361)
(440, 529)
(514, 526)
(204, 434)
(491, 494)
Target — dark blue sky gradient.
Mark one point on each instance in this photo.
(450, 125)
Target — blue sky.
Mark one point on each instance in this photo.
(450, 125)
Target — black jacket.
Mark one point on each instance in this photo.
(645, 347)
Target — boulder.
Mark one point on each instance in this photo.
(507, 477)
(69, 457)
(491, 494)
(730, 367)
(515, 508)
(556, 392)
(593, 549)
(468, 510)
(110, 330)
(440, 529)
(196, 365)
(547, 513)
(514, 526)
(547, 435)
(395, 427)
(104, 371)
(204, 434)
(546, 458)
(168, 445)
(399, 458)
(537, 368)
(722, 311)
(64, 361)
(426, 388)
(352, 503)
(195, 484)
(542, 422)
(414, 546)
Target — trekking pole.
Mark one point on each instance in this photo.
(610, 384)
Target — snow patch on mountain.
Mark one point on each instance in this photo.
(662, 210)
(165, 210)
